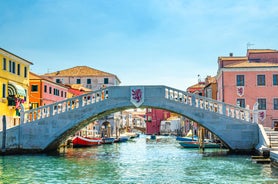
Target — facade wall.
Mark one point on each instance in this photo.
(94, 83)
(46, 93)
(154, 118)
(12, 69)
(50, 96)
(252, 92)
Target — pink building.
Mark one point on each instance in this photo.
(154, 118)
(249, 80)
(43, 91)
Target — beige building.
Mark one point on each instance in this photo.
(88, 77)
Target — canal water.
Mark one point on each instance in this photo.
(137, 161)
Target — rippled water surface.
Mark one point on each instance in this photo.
(137, 161)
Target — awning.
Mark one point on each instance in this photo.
(15, 89)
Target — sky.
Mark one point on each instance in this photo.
(143, 42)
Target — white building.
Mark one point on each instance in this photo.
(89, 77)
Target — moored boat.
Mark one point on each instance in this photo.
(79, 141)
(187, 138)
(108, 140)
(122, 139)
(196, 144)
(131, 134)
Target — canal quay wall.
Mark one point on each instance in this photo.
(45, 128)
(268, 144)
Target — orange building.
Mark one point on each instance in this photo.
(43, 91)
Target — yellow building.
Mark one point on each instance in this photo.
(14, 82)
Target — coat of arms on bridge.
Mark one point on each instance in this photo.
(137, 95)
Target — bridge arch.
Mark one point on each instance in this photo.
(45, 128)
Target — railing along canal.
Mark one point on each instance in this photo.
(64, 106)
(208, 104)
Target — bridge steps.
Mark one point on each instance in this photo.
(273, 137)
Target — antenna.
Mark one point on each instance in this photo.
(249, 45)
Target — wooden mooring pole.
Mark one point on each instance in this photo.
(3, 149)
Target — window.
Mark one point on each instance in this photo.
(50, 90)
(275, 79)
(34, 105)
(10, 66)
(13, 67)
(56, 92)
(58, 81)
(240, 80)
(149, 118)
(78, 81)
(262, 104)
(4, 91)
(275, 103)
(18, 69)
(241, 102)
(4, 64)
(45, 88)
(25, 71)
(106, 81)
(88, 81)
(62, 93)
(34, 88)
(261, 80)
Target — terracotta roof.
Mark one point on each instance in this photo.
(80, 71)
(198, 86)
(78, 87)
(247, 64)
(240, 58)
(210, 80)
(33, 76)
(261, 50)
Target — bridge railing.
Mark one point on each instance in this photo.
(64, 106)
(208, 104)
(103, 94)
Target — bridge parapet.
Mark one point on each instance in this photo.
(170, 94)
(64, 106)
(208, 104)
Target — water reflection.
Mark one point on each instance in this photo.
(137, 161)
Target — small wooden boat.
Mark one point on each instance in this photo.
(132, 135)
(79, 141)
(122, 139)
(196, 144)
(108, 140)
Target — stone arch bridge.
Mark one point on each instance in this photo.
(45, 128)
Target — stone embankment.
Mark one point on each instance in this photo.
(273, 145)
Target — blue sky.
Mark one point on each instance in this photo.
(143, 42)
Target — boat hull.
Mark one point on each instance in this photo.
(194, 138)
(79, 141)
(108, 140)
(195, 144)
